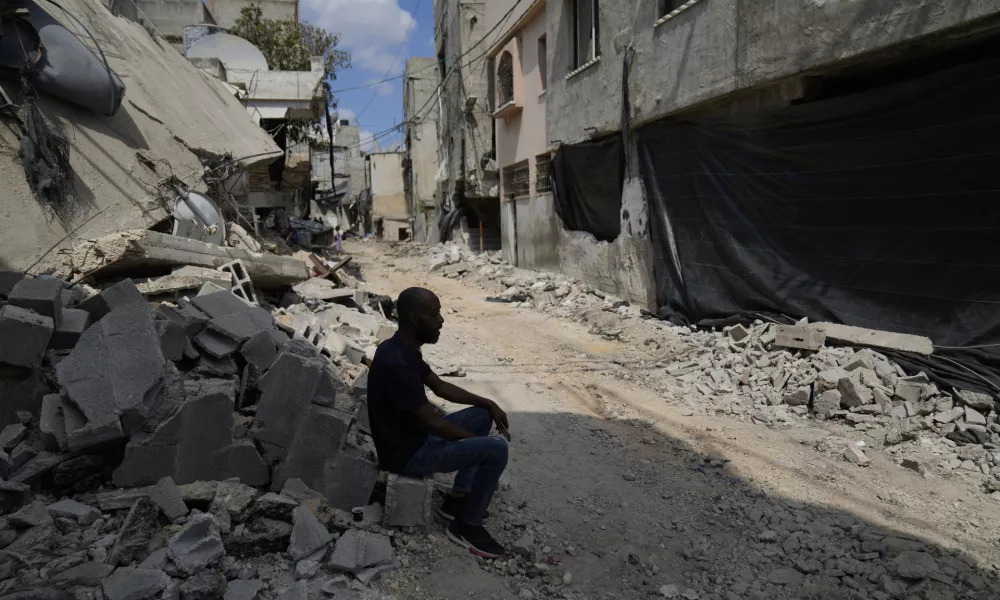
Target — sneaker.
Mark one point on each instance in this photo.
(476, 539)
(452, 507)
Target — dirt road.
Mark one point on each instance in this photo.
(627, 497)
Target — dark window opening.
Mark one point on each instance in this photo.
(585, 31)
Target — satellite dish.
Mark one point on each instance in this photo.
(197, 217)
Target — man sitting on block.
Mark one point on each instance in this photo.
(413, 439)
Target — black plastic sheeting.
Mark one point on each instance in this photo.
(587, 186)
(876, 209)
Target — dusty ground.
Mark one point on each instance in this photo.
(628, 494)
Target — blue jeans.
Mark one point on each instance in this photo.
(479, 461)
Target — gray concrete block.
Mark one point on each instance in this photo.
(120, 294)
(12, 435)
(297, 490)
(243, 325)
(116, 363)
(127, 583)
(166, 495)
(799, 337)
(349, 480)
(246, 463)
(219, 304)
(145, 465)
(42, 295)
(216, 344)
(132, 541)
(88, 574)
(308, 534)
(319, 438)
(262, 349)
(408, 502)
(209, 366)
(24, 336)
(71, 509)
(52, 424)
(165, 399)
(173, 340)
(31, 515)
(186, 314)
(243, 589)
(286, 391)
(92, 433)
(357, 550)
(367, 324)
(67, 334)
(8, 279)
(197, 545)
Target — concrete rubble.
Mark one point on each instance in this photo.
(772, 374)
(177, 425)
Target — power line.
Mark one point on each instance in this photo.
(392, 65)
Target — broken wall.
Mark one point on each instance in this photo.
(171, 117)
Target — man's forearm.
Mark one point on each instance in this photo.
(455, 394)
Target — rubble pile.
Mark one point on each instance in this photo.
(772, 373)
(162, 439)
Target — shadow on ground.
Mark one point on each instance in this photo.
(628, 510)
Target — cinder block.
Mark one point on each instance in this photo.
(799, 337)
(173, 341)
(242, 286)
(262, 349)
(243, 325)
(408, 502)
(319, 437)
(24, 336)
(41, 294)
(216, 344)
(185, 313)
(74, 322)
(219, 304)
(8, 279)
(120, 294)
(349, 480)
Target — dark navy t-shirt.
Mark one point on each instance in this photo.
(395, 392)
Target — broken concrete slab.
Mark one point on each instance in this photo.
(273, 506)
(166, 496)
(88, 574)
(12, 435)
(32, 515)
(235, 497)
(799, 337)
(25, 336)
(186, 314)
(358, 550)
(321, 289)
(308, 534)
(319, 437)
(205, 585)
(127, 583)
(854, 394)
(349, 480)
(297, 490)
(115, 365)
(246, 463)
(120, 294)
(51, 423)
(857, 457)
(71, 509)
(188, 277)
(173, 339)
(67, 334)
(41, 295)
(197, 545)
(8, 279)
(408, 502)
(859, 336)
(132, 541)
(131, 250)
(243, 325)
(216, 345)
(287, 389)
(243, 589)
(37, 464)
(219, 304)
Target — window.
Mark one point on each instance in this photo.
(505, 79)
(543, 163)
(543, 63)
(585, 31)
(516, 181)
(666, 8)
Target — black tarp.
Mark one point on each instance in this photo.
(587, 186)
(876, 209)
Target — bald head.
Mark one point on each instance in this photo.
(419, 314)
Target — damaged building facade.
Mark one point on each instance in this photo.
(420, 166)
(653, 106)
(468, 182)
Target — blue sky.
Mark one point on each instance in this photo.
(380, 35)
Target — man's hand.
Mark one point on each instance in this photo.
(499, 417)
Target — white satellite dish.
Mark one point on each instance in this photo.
(197, 217)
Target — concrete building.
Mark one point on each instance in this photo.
(170, 17)
(420, 113)
(173, 120)
(520, 96)
(390, 217)
(467, 179)
(695, 57)
(225, 12)
(337, 206)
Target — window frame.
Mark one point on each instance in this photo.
(542, 48)
(595, 32)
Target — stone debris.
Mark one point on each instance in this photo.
(71, 509)
(308, 534)
(358, 550)
(136, 530)
(197, 545)
(134, 584)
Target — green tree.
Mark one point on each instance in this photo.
(288, 46)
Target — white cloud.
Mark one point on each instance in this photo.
(350, 115)
(367, 140)
(371, 30)
(384, 89)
